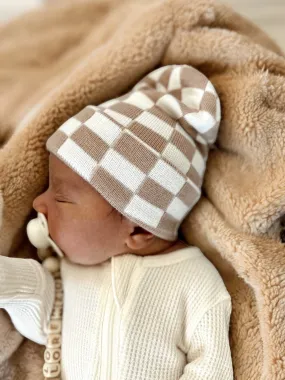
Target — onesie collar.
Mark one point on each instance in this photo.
(171, 258)
(163, 259)
(123, 266)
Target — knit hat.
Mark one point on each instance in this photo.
(145, 152)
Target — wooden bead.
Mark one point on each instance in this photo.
(52, 355)
(43, 253)
(58, 295)
(58, 299)
(54, 327)
(51, 370)
(56, 275)
(52, 264)
(58, 284)
(56, 312)
(53, 341)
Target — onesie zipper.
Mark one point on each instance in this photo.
(110, 338)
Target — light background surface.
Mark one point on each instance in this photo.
(268, 14)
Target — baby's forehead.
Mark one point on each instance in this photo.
(62, 175)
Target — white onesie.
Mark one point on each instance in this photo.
(156, 317)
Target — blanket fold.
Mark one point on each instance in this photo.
(56, 60)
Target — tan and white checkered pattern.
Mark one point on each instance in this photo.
(145, 152)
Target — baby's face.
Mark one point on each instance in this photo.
(81, 222)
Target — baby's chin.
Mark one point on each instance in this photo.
(78, 259)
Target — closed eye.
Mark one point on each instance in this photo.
(61, 200)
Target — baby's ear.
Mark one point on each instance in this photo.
(135, 229)
(139, 230)
(138, 238)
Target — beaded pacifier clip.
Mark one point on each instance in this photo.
(38, 234)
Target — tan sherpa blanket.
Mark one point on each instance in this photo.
(56, 60)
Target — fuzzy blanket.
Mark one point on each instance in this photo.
(56, 60)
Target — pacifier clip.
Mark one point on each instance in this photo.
(38, 234)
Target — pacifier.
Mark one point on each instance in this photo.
(38, 234)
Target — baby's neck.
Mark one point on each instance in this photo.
(178, 244)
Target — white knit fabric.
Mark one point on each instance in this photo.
(161, 317)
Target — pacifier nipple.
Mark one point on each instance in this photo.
(38, 234)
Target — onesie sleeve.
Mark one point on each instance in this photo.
(27, 292)
(209, 355)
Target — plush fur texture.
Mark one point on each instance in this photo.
(56, 60)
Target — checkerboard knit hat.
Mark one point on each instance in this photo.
(145, 152)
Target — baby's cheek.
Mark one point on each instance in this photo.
(60, 234)
(72, 238)
(56, 236)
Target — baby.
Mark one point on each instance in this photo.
(139, 303)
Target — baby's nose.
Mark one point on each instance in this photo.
(39, 205)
